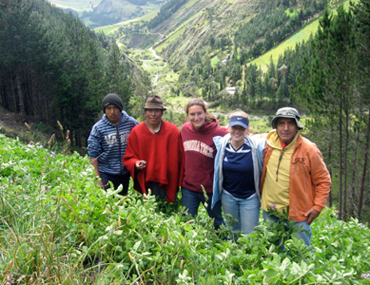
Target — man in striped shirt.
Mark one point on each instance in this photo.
(108, 141)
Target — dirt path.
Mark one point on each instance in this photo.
(9, 120)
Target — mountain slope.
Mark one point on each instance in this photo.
(218, 27)
(97, 13)
(191, 27)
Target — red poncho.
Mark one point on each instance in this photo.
(163, 153)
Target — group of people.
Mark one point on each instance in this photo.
(227, 169)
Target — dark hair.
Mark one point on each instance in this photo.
(199, 102)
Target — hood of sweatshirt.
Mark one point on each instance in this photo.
(207, 127)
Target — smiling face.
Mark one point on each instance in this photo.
(197, 116)
(237, 134)
(113, 113)
(153, 117)
(286, 129)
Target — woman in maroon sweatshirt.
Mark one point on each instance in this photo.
(200, 153)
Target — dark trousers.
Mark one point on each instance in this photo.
(117, 180)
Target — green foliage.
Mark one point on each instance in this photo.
(57, 227)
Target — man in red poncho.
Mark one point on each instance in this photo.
(154, 154)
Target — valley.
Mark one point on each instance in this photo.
(184, 39)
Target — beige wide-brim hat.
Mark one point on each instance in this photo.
(154, 102)
(287, 112)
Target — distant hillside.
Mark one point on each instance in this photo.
(218, 27)
(97, 13)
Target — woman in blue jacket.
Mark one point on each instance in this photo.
(237, 175)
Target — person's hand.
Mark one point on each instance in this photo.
(100, 183)
(140, 164)
(311, 214)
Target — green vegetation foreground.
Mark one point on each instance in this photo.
(59, 227)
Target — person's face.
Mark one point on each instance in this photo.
(197, 116)
(153, 116)
(113, 113)
(237, 133)
(286, 129)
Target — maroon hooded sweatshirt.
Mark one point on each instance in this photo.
(200, 152)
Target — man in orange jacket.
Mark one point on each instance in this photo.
(294, 176)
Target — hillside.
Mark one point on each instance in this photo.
(98, 13)
(216, 27)
(191, 27)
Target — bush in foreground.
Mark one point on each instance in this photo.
(58, 227)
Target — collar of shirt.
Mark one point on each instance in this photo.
(283, 145)
(156, 130)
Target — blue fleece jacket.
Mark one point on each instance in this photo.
(220, 143)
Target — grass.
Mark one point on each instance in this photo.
(215, 60)
(293, 13)
(302, 35)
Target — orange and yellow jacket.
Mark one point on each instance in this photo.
(310, 181)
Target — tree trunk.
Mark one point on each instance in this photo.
(354, 171)
(22, 108)
(340, 162)
(330, 165)
(363, 174)
(345, 154)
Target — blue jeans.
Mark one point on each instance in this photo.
(302, 226)
(245, 212)
(192, 199)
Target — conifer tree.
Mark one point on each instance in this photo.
(328, 91)
(362, 23)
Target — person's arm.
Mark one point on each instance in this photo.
(131, 160)
(95, 150)
(321, 179)
(94, 162)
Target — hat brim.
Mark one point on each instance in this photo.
(274, 121)
(157, 108)
(238, 123)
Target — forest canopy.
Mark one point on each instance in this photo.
(52, 67)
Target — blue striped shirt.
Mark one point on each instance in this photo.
(107, 142)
